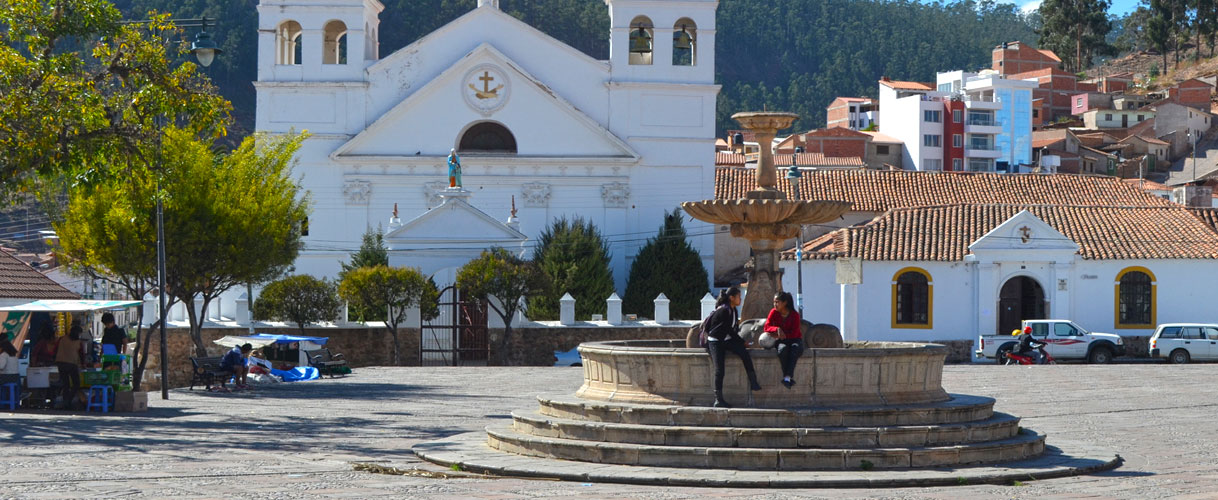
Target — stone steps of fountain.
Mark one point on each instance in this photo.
(1026, 444)
(959, 409)
(998, 426)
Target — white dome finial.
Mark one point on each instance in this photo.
(492, 3)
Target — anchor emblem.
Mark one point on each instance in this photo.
(487, 92)
(1025, 234)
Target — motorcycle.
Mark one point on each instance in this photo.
(1013, 358)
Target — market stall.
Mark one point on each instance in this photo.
(285, 353)
(105, 377)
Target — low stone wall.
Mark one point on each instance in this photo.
(535, 346)
(361, 346)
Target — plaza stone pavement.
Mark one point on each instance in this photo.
(300, 440)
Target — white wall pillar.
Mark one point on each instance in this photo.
(344, 314)
(241, 312)
(613, 309)
(199, 312)
(661, 309)
(151, 310)
(566, 309)
(1062, 285)
(708, 305)
(849, 313)
(987, 298)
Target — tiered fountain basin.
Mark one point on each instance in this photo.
(867, 415)
(665, 372)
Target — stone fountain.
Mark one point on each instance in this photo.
(764, 217)
(862, 414)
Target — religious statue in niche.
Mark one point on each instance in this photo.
(454, 169)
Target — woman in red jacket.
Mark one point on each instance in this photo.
(784, 323)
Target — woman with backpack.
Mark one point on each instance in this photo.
(723, 336)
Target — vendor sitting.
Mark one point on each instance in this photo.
(234, 362)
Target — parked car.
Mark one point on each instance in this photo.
(568, 358)
(1184, 342)
(1065, 340)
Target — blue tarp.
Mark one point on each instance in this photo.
(297, 374)
(287, 339)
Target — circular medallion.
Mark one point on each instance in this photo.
(485, 88)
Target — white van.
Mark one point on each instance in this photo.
(1183, 342)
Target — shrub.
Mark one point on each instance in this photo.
(667, 264)
(574, 257)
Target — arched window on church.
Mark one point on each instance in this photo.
(684, 42)
(912, 299)
(288, 41)
(1135, 298)
(642, 40)
(487, 137)
(335, 48)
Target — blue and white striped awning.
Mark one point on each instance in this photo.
(72, 305)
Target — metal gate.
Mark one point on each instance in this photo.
(458, 336)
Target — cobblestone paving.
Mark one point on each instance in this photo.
(300, 440)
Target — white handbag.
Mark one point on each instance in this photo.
(767, 340)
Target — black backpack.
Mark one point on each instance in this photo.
(702, 342)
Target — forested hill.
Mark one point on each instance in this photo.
(790, 55)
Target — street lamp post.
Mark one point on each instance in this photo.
(205, 50)
(1194, 146)
(793, 175)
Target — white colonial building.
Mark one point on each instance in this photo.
(952, 272)
(534, 121)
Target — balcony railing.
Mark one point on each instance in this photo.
(983, 122)
(981, 146)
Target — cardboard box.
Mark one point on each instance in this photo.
(131, 401)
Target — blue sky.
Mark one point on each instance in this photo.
(1119, 7)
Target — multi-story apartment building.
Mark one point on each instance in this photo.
(854, 113)
(968, 122)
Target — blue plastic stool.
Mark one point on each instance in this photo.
(8, 395)
(99, 397)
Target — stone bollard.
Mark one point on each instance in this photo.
(661, 309)
(199, 312)
(613, 308)
(708, 305)
(566, 309)
(241, 312)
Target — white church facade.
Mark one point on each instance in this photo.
(540, 128)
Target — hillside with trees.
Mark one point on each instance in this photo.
(793, 55)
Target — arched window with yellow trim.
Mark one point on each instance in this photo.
(1135, 297)
(912, 299)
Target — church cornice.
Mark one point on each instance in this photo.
(699, 87)
(310, 85)
(473, 160)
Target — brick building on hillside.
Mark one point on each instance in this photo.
(1193, 93)
(1013, 58)
(855, 113)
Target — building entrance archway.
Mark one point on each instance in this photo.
(1021, 298)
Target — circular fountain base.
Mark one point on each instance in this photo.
(869, 414)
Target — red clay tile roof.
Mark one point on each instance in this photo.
(903, 85)
(1147, 185)
(883, 190)
(820, 160)
(20, 281)
(943, 233)
(729, 159)
(1207, 215)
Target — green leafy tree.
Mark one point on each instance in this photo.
(300, 299)
(667, 264)
(501, 279)
(228, 220)
(1076, 30)
(372, 252)
(575, 258)
(80, 92)
(393, 289)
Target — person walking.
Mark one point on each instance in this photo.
(69, 357)
(784, 322)
(723, 336)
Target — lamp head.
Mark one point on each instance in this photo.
(204, 49)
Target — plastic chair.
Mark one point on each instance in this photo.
(8, 395)
(99, 397)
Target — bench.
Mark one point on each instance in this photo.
(326, 362)
(207, 371)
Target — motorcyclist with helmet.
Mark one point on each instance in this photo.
(1029, 346)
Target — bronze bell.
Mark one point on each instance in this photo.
(681, 40)
(640, 41)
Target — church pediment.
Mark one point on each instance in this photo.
(452, 224)
(485, 87)
(1024, 232)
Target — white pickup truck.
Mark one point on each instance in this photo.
(1063, 340)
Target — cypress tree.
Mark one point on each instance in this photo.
(575, 258)
(667, 264)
